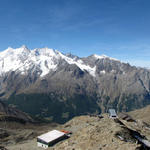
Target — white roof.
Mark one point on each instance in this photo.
(50, 136)
(112, 112)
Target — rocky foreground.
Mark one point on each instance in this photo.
(93, 133)
(90, 133)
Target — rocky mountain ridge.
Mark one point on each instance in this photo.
(53, 86)
(10, 114)
(41, 60)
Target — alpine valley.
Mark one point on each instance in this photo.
(51, 86)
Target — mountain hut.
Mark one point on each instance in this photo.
(112, 113)
(50, 138)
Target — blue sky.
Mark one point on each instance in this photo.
(117, 28)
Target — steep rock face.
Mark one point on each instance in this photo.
(48, 84)
(122, 86)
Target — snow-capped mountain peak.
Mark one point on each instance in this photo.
(41, 60)
(100, 56)
(10, 51)
(103, 57)
(24, 46)
(45, 51)
(22, 59)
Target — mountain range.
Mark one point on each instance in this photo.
(52, 86)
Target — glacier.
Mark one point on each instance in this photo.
(45, 59)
